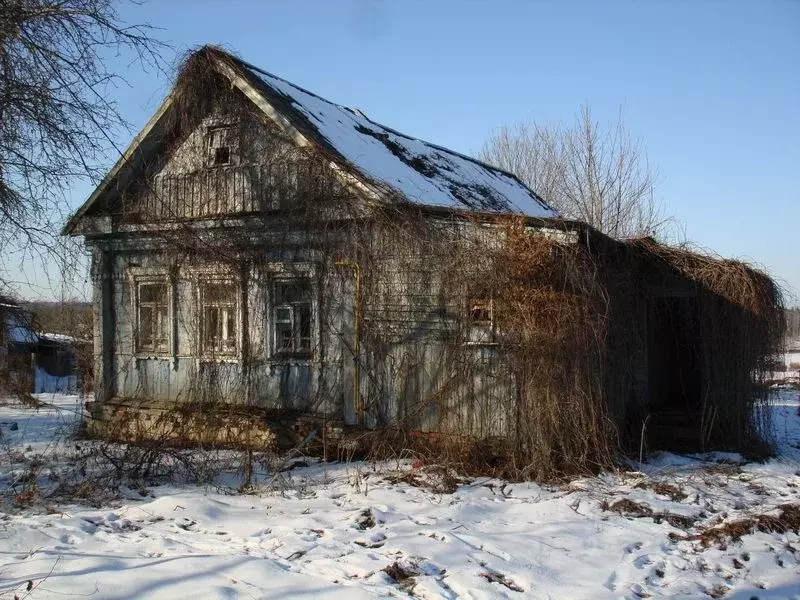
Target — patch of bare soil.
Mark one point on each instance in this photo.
(404, 576)
(671, 491)
(628, 508)
(437, 479)
(493, 576)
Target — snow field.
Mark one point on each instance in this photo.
(347, 531)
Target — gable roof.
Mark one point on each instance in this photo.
(424, 173)
(396, 165)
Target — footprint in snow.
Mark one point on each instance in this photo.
(227, 592)
(631, 548)
(611, 582)
(374, 541)
(642, 561)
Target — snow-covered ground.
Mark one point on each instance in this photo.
(348, 531)
(791, 358)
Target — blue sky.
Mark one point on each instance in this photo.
(712, 88)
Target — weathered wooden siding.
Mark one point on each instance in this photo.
(407, 373)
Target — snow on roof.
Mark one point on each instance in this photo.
(57, 337)
(422, 172)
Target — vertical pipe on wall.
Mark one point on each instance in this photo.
(356, 338)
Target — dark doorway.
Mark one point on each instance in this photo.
(675, 374)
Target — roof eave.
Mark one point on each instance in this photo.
(124, 158)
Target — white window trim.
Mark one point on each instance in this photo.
(151, 275)
(274, 351)
(291, 271)
(212, 275)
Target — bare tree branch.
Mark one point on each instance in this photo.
(600, 175)
(57, 116)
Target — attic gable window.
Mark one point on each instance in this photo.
(220, 146)
(481, 313)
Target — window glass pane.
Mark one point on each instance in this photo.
(292, 315)
(145, 326)
(211, 326)
(289, 292)
(304, 317)
(162, 329)
(229, 333)
(283, 314)
(283, 336)
(153, 317)
(222, 156)
(480, 311)
(219, 317)
(153, 292)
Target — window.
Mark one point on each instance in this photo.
(291, 317)
(219, 318)
(480, 312)
(481, 322)
(152, 317)
(220, 142)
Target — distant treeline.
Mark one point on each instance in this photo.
(70, 318)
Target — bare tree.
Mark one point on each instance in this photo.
(596, 174)
(57, 118)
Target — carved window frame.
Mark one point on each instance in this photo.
(139, 277)
(292, 313)
(217, 276)
(279, 272)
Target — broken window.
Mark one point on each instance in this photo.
(220, 146)
(480, 318)
(291, 317)
(152, 317)
(480, 312)
(219, 319)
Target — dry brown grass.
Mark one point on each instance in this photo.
(662, 488)
(787, 519)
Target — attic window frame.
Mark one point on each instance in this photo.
(213, 152)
